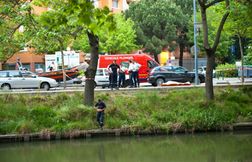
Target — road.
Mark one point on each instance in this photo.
(78, 87)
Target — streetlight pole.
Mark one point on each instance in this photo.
(195, 43)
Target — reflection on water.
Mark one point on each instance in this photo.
(181, 148)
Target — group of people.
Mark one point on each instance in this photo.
(114, 70)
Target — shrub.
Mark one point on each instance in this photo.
(226, 70)
(43, 117)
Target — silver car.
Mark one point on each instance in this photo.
(14, 79)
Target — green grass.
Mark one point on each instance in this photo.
(148, 110)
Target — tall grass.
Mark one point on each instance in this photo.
(147, 110)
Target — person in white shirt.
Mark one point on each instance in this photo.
(133, 72)
(136, 68)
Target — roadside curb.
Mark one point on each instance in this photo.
(47, 136)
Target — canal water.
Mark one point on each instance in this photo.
(180, 148)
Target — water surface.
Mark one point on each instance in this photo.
(179, 148)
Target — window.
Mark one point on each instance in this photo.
(125, 64)
(99, 72)
(28, 74)
(151, 64)
(39, 68)
(3, 74)
(169, 68)
(180, 70)
(14, 74)
(26, 66)
(114, 3)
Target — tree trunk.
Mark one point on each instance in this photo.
(1, 65)
(242, 62)
(204, 5)
(91, 70)
(209, 75)
(181, 53)
(63, 64)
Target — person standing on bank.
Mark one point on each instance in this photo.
(136, 73)
(100, 112)
(122, 76)
(114, 68)
(130, 70)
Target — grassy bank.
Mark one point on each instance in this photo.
(166, 110)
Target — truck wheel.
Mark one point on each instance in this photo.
(6, 87)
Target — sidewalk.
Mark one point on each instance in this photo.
(230, 80)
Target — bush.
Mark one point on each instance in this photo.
(226, 70)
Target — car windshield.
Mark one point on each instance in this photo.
(99, 72)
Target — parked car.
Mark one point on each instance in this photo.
(202, 70)
(162, 74)
(101, 78)
(14, 79)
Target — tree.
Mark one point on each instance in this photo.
(13, 16)
(121, 40)
(211, 49)
(81, 17)
(49, 34)
(240, 25)
(157, 23)
(182, 31)
(223, 53)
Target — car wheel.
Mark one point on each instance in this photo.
(154, 84)
(45, 86)
(159, 81)
(6, 87)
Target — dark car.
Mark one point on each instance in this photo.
(162, 74)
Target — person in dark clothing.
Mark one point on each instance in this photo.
(19, 65)
(122, 77)
(100, 112)
(114, 68)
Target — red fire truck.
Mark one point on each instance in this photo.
(146, 62)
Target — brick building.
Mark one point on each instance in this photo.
(33, 61)
(29, 59)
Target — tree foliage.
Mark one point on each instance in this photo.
(121, 40)
(222, 53)
(13, 16)
(157, 23)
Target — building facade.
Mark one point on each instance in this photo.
(33, 61)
